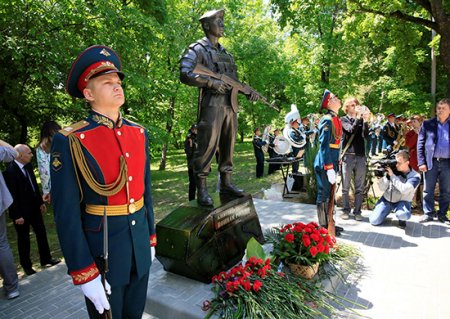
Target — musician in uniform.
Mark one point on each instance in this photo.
(326, 162)
(273, 167)
(295, 135)
(258, 143)
(389, 132)
(101, 166)
(190, 145)
(217, 124)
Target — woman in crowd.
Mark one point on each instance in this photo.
(43, 156)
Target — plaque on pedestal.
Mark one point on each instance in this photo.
(199, 242)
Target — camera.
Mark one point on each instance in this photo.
(379, 166)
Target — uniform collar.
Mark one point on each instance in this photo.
(102, 119)
(218, 48)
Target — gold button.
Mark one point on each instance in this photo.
(119, 133)
(82, 136)
(131, 200)
(130, 178)
(142, 130)
(133, 222)
(132, 208)
(127, 154)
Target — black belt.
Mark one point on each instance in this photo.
(440, 159)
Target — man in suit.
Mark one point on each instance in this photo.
(433, 155)
(27, 209)
(7, 265)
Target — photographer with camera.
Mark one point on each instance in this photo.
(398, 185)
(356, 129)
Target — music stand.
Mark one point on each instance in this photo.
(285, 162)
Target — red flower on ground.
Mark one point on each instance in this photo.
(257, 285)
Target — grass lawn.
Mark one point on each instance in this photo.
(169, 190)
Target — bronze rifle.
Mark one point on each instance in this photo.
(236, 86)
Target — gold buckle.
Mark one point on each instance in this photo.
(132, 208)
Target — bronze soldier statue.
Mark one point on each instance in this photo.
(217, 124)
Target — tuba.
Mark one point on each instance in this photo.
(265, 137)
(300, 143)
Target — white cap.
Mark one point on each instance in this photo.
(293, 115)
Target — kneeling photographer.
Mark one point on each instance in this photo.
(398, 188)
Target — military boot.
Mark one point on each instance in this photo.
(203, 197)
(338, 229)
(227, 188)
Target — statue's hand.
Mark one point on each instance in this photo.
(219, 86)
(253, 96)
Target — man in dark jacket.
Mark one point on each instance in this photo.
(27, 209)
(258, 143)
(433, 155)
(355, 131)
(190, 145)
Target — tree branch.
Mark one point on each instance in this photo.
(398, 15)
(424, 4)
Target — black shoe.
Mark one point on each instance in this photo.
(339, 229)
(29, 271)
(51, 262)
(426, 218)
(402, 224)
(443, 219)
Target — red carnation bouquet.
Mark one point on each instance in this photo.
(299, 243)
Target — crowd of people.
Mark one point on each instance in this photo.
(418, 150)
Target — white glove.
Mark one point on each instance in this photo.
(94, 291)
(152, 253)
(331, 174)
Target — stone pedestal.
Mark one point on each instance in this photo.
(199, 242)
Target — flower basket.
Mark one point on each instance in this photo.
(307, 272)
(301, 244)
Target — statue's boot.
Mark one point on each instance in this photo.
(227, 188)
(203, 197)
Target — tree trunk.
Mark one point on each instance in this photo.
(444, 49)
(171, 111)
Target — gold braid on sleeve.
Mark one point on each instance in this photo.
(80, 161)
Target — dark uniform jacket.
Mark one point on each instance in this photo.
(389, 134)
(330, 134)
(103, 143)
(257, 144)
(190, 145)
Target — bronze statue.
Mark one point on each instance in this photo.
(217, 115)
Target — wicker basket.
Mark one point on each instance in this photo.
(304, 271)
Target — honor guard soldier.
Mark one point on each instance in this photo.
(389, 132)
(101, 192)
(258, 143)
(190, 145)
(217, 124)
(326, 163)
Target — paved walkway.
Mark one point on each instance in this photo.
(404, 273)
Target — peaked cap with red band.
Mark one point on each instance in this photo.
(327, 95)
(92, 62)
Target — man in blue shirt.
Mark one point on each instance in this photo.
(433, 155)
